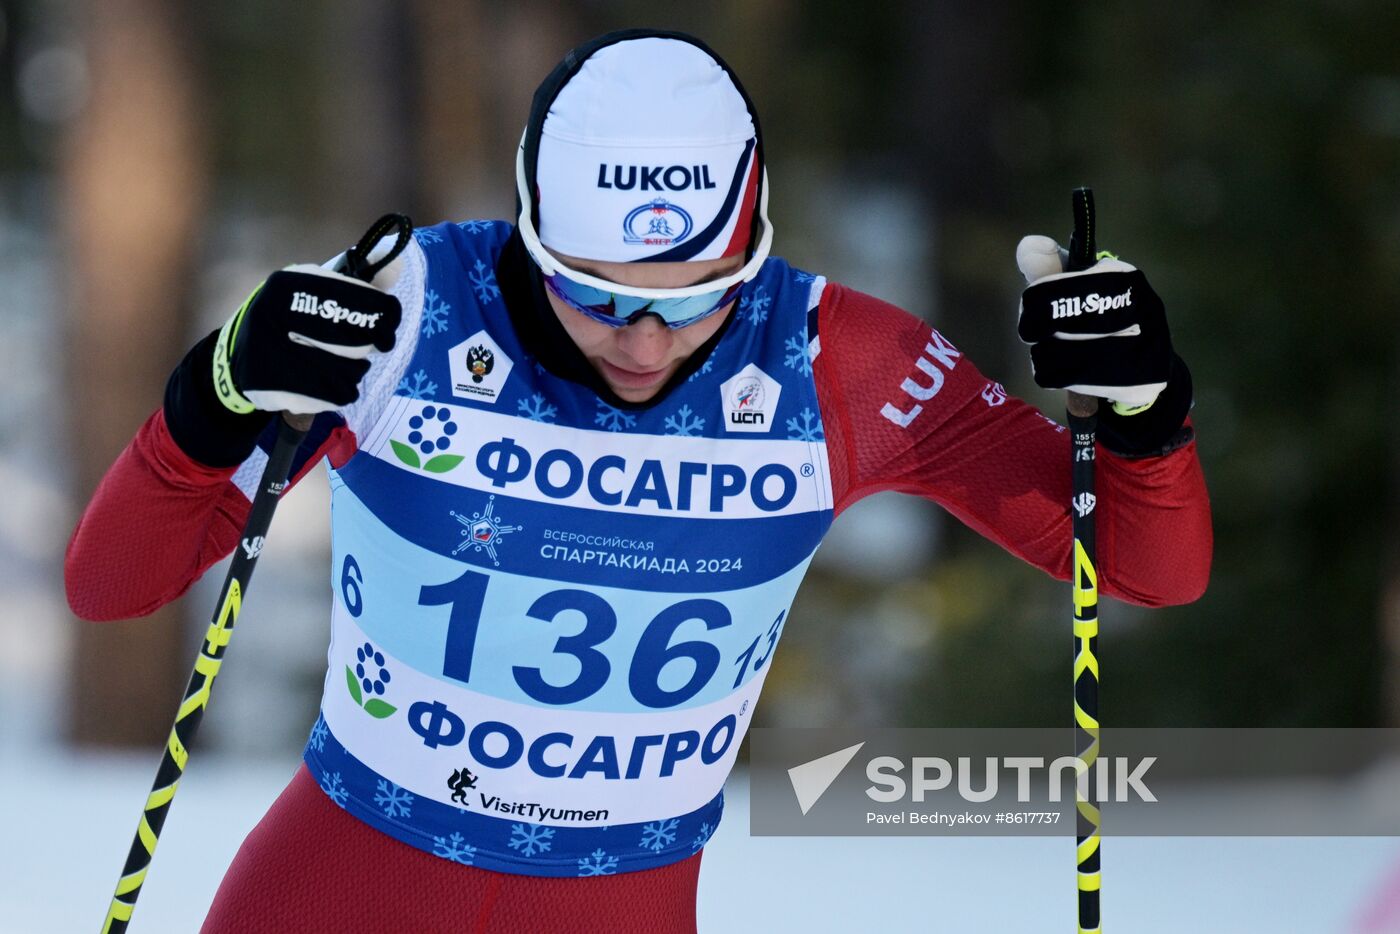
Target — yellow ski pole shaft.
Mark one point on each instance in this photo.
(290, 430)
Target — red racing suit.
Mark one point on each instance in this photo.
(991, 460)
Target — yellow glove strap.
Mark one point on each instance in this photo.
(1123, 409)
(228, 393)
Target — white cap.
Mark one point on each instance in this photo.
(648, 152)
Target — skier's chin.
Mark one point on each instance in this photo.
(631, 385)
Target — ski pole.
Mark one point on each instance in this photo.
(1083, 424)
(291, 429)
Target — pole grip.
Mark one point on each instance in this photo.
(298, 423)
(1082, 246)
(1082, 253)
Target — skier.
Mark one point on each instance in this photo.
(579, 464)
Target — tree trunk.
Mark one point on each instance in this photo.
(134, 178)
(479, 65)
(961, 70)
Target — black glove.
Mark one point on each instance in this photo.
(1102, 331)
(299, 344)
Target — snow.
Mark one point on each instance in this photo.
(72, 817)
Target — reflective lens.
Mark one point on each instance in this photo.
(618, 310)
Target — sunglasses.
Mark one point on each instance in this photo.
(618, 305)
(607, 306)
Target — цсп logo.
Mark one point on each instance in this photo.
(748, 395)
(750, 399)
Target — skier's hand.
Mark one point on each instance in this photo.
(1100, 331)
(286, 349)
(301, 342)
(1103, 332)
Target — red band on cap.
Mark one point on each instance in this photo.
(743, 227)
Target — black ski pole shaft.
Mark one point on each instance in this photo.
(1083, 425)
(291, 430)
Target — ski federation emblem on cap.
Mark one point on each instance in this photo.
(656, 223)
(750, 399)
(479, 368)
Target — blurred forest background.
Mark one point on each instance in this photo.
(160, 157)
